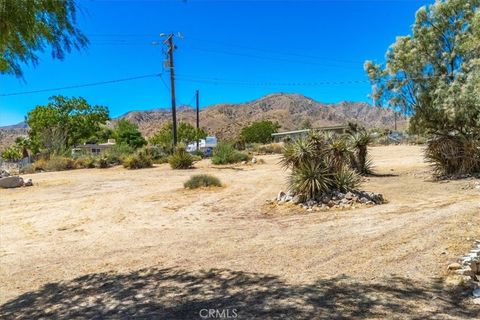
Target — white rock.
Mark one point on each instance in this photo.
(476, 293)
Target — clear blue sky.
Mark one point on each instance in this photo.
(232, 51)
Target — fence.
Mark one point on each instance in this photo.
(14, 166)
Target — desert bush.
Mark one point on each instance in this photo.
(359, 159)
(117, 153)
(138, 160)
(346, 179)
(452, 155)
(85, 161)
(58, 163)
(225, 153)
(180, 159)
(12, 154)
(202, 180)
(28, 169)
(270, 148)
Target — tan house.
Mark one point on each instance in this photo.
(93, 148)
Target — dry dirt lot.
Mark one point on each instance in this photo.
(113, 243)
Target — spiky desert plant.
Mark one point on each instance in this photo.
(202, 180)
(180, 159)
(346, 179)
(338, 150)
(296, 152)
(310, 179)
(359, 142)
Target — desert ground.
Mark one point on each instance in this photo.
(115, 243)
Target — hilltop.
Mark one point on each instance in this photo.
(289, 110)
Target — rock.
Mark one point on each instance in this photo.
(288, 198)
(326, 198)
(311, 203)
(244, 162)
(29, 183)
(349, 196)
(364, 200)
(331, 203)
(297, 199)
(254, 160)
(476, 293)
(476, 301)
(454, 266)
(280, 196)
(11, 182)
(4, 174)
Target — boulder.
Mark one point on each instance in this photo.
(297, 199)
(11, 182)
(29, 183)
(280, 196)
(454, 266)
(254, 160)
(4, 174)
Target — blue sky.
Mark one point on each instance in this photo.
(232, 51)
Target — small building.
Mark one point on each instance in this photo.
(205, 145)
(93, 148)
(297, 134)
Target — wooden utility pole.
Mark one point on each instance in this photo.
(198, 115)
(171, 47)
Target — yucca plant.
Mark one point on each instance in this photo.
(180, 159)
(346, 179)
(310, 179)
(359, 142)
(296, 152)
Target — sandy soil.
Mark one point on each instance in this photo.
(106, 242)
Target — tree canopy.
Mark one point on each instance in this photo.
(433, 74)
(64, 122)
(186, 133)
(259, 132)
(126, 132)
(30, 26)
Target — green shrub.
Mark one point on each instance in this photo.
(138, 160)
(180, 159)
(202, 180)
(310, 179)
(12, 154)
(225, 153)
(117, 153)
(58, 163)
(260, 131)
(28, 169)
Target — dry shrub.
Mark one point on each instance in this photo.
(58, 163)
(202, 180)
(452, 155)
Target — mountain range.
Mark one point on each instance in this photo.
(226, 120)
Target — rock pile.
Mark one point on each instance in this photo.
(469, 265)
(334, 199)
(9, 181)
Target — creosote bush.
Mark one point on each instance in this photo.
(180, 159)
(225, 153)
(202, 180)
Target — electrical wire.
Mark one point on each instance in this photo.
(81, 85)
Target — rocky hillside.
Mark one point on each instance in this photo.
(290, 110)
(226, 120)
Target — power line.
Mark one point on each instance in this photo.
(82, 85)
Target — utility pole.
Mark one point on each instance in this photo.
(171, 47)
(198, 115)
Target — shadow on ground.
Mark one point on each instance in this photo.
(178, 294)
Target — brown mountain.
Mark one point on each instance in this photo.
(289, 110)
(226, 120)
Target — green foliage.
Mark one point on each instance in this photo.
(346, 179)
(28, 27)
(180, 159)
(117, 153)
(12, 154)
(453, 155)
(186, 133)
(259, 132)
(225, 153)
(86, 162)
(359, 160)
(435, 75)
(64, 122)
(127, 133)
(202, 180)
(138, 160)
(310, 179)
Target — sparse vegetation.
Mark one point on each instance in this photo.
(225, 153)
(180, 159)
(57, 163)
(138, 160)
(202, 180)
